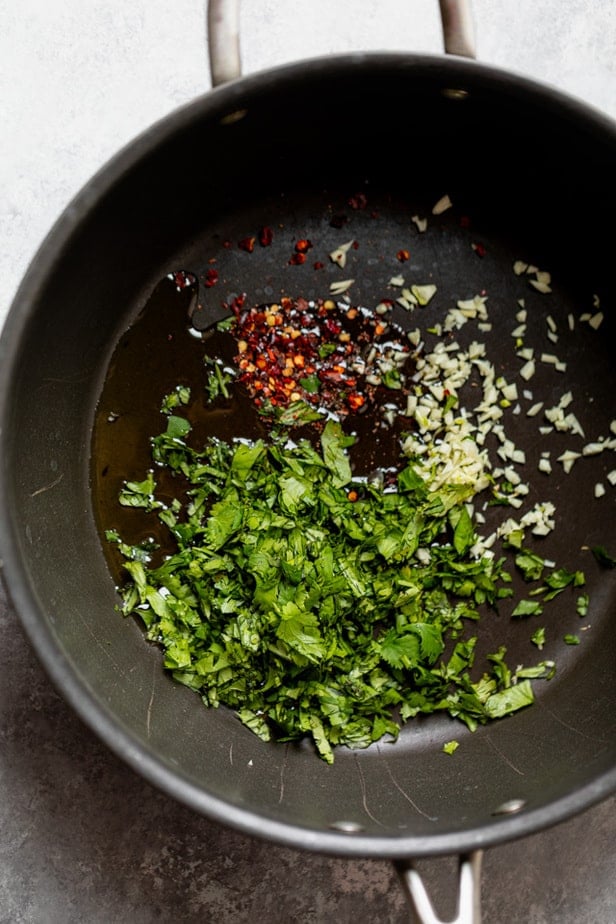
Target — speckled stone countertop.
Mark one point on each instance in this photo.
(82, 838)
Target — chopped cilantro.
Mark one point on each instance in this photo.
(571, 639)
(603, 556)
(309, 613)
(530, 564)
(557, 581)
(450, 746)
(528, 608)
(218, 379)
(538, 637)
(179, 396)
(311, 384)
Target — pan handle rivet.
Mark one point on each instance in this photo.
(347, 827)
(455, 93)
(510, 807)
(232, 117)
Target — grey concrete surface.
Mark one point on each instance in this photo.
(82, 838)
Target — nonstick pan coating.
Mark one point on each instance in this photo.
(289, 148)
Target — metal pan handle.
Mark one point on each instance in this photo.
(223, 26)
(469, 882)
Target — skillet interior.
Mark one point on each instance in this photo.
(536, 179)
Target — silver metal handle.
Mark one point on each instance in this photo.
(469, 888)
(223, 24)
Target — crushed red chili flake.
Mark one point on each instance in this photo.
(358, 201)
(313, 351)
(479, 249)
(266, 236)
(403, 256)
(210, 279)
(182, 279)
(297, 259)
(247, 244)
(318, 265)
(303, 246)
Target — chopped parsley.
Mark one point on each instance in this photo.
(603, 557)
(315, 604)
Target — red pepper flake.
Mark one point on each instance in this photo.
(296, 350)
(266, 236)
(358, 201)
(297, 259)
(247, 244)
(355, 245)
(403, 256)
(303, 246)
(318, 265)
(182, 279)
(479, 249)
(356, 401)
(210, 279)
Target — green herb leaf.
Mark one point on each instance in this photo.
(603, 556)
(538, 638)
(530, 564)
(510, 700)
(334, 456)
(528, 608)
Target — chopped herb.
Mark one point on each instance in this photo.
(528, 608)
(450, 746)
(218, 380)
(582, 604)
(530, 564)
(557, 581)
(180, 396)
(603, 556)
(538, 638)
(571, 639)
(309, 613)
(509, 700)
(139, 493)
(311, 384)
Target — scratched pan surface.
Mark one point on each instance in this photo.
(532, 173)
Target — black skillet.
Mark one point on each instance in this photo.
(349, 147)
